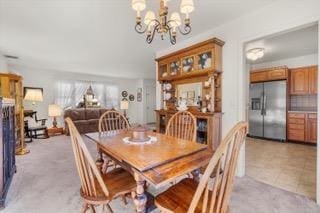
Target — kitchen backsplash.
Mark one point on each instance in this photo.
(303, 102)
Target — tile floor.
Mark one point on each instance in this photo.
(288, 166)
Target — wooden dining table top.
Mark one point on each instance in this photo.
(159, 162)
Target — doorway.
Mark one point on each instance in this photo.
(150, 104)
(285, 159)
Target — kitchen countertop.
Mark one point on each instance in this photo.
(301, 111)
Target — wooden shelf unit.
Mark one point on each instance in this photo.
(11, 87)
(199, 63)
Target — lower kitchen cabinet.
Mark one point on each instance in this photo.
(311, 130)
(302, 127)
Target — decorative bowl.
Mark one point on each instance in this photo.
(139, 134)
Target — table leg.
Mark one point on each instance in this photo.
(139, 197)
(99, 161)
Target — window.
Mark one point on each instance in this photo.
(70, 93)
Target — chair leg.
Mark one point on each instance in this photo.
(102, 208)
(124, 199)
(84, 207)
(109, 208)
(92, 208)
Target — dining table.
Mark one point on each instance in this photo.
(159, 161)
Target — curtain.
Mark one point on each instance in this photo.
(70, 93)
(80, 89)
(64, 94)
(98, 90)
(112, 96)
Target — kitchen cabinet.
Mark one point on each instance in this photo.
(296, 126)
(302, 127)
(303, 80)
(299, 81)
(270, 74)
(311, 130)
(313, 80)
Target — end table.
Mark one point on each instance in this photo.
(55, 131)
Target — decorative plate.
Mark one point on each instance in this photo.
(131, 97)
(124, 94)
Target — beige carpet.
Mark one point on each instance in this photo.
(47, 182)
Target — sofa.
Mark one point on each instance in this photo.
(85, 119)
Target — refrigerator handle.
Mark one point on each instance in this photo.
(264, 105)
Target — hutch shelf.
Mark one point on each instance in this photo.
(193, 75)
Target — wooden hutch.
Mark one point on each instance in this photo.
(11, 87)
(193, 74)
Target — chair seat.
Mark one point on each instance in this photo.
(118, 182)
(178, 197)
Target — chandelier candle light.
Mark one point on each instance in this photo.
(162, 25)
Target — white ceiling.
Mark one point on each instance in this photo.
(299, 42)
(97, 36)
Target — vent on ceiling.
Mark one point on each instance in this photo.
(11, 56)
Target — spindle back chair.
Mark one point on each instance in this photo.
(182, 125)
(112, 121)
(94, 190)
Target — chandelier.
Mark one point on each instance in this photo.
(163, 25)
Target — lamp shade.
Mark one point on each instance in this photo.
(186, 6)
(149, 18)
(54, 110)
(33, 95)
(124, 105)
(138, 5)
(176, 20)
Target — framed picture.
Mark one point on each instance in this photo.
(139, 94)
(131, 97)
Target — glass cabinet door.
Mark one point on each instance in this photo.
(204, 60)
(174, 67)
(163, 73)
(188, 64)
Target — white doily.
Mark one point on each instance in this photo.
(150, 141)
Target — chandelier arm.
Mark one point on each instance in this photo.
(173, 39)
(149, 38)
(186, 30)
(139, 29)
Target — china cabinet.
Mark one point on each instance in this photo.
(11, 87)
(193, 76)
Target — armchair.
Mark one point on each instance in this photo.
(38, 130)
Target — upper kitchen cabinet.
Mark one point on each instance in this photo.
(303, 80)
(313, 80)
(270, 74)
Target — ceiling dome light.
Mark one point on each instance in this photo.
(255, 53)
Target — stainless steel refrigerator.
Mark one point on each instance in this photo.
(267, 113)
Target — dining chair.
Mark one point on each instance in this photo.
(97, 189)
(111, 122)
(209, 195)
(182, 125)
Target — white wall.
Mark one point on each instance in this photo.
(3, 64)
(306, 60)
(47, 78)
(280, 16)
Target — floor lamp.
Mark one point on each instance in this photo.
(33, 95)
